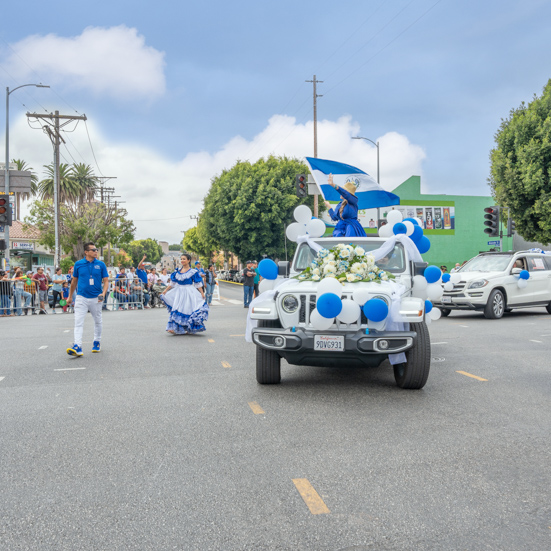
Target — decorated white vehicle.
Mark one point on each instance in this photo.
(345, 302)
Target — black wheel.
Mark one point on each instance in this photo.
(445, 312)
(268, 362)
(549, 307)
(414, 373)
(495, 307)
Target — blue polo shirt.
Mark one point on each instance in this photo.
(142, 274)
(84, 271)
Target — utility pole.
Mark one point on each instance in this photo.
(53, 127)
(316, 96)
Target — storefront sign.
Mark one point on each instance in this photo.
(22, 246)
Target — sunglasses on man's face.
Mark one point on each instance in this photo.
(93, 250)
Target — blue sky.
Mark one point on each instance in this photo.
(177, 91)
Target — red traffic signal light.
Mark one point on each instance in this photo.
(491, 217)
(5, 211)
(301, 185)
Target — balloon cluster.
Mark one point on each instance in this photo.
(268, 270)
(329, 305)
(428, 287)
(305, 224)
(408, 226)
(523, 279)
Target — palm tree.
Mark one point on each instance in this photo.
(77, 183)
(24, 196)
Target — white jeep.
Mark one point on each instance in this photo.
(489, 283)
(282, 327)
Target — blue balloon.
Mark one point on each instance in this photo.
(428, 306)
(433, 274)
(417, 234)
(267, 269)
(399, 228)
(375, 309)
(423, 244)
(445, 278)
(414, 221)
(329, 305)
(524, 274)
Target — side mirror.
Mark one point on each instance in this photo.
(516, 271)
(418, 268)
(283, 268)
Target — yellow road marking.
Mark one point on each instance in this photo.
(237, 335)
(225, 364)
(256, 408)
(211, 340)
(473, 376)
(310, 496)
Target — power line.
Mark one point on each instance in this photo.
(90, 141)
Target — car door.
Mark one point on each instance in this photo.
(515, 295)
(540, 278)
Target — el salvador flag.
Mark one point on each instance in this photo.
(369, 193)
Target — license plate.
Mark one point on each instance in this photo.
(446, 299)
(328, 343)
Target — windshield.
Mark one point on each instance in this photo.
(395, 262)
(493, 263)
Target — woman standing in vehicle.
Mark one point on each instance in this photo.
(346, 212)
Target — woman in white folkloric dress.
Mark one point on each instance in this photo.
(185, 300)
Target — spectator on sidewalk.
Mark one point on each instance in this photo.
(6, 293)
(31, 286)
(202, 273)
(70, 274)
(138, 296)
(210, 278)
(42, 289)
(164, 276)
(65, 294)
(57, 286)
(248, 283)
(131, 274)
(256, 279)
(152, 277)
(20, 293)
(142, 274)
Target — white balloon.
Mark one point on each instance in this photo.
(393, 217)
(361, 296)
(315, 227)
(266, 285)
(427, 319)
(419, 282)
(294, 230)
(420, 222)
(319, 322)
(435, 314)
(302, 214)
(329, 285)
(455, 277)
(434, 292)
(350, 312)
(386, 230)
(448, 286)
(409, 226)
(420, 293)
(522, 283)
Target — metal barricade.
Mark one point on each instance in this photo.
(127, 294)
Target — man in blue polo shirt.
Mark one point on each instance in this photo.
(91, 281)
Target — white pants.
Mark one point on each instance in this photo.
(82, 306)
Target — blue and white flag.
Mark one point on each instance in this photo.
(369, 193)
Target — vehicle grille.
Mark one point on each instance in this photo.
(457, 288)
(308, 305)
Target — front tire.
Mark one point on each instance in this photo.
(268, 362)
(495, 306)
(445, 312)
(414, 373)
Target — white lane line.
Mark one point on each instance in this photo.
(439, 343)
(2, 378)
(216, 303)
(233, 301)
(533, 340)
(42, 347)
(70, 369)
(66, 330)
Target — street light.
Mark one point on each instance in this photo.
(7, 167)
(377, 146)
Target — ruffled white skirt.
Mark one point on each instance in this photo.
(187, 310)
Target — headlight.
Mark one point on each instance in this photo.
(289, 303)
(383, 298)
(478, 283)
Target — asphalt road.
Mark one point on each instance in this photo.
(167, 442)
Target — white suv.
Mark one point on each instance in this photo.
(489, 282)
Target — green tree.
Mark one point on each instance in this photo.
(175, 247)
(66, 263)
(192, 243)
(22, 165)
(249, 206)
(149, 247)
(521, 167)
(86, 181)
(79, 224)
(77, 183)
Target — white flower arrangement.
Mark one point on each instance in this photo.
(346, 263)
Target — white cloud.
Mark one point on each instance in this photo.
(168, 192)
(111, 61)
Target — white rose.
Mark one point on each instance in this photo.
(330, 269)
(316, 277)
(330, 256)
(359, 251)
(350, 277)
(316, 271)
(356, 268)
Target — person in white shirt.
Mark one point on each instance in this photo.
(164, 277)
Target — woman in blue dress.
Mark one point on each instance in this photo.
(185, 300)
(346, 212)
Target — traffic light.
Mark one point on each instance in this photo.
(510, 227)
(301, 186)
(491, 217)
(3, 245)
(5, 211)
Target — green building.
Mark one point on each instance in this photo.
(457, 232)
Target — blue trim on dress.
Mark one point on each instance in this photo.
(183, 323)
